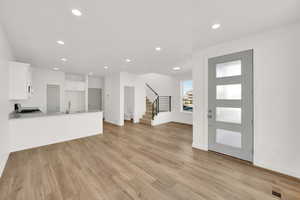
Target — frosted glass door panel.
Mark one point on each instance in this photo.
(229, 69)
(233, 92)
(230, 138)
(231, 115)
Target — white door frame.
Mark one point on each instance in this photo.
(200, 61)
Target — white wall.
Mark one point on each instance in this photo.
(162, 118)
(132, 80)
(96, 82)
(112, 104)
(5, 56)
(162, 84)
(276, 96)
(77, 99)
(177, 113)
(114, 97)
(40, 79)
(166, 85)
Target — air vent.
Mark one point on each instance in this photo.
(276, 194)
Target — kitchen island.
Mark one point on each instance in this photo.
(34, 130)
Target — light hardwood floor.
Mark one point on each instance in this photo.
(136, 162)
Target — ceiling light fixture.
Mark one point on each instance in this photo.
(55, 68)
(105, 67)
(215, 26)
(60, 42)
(158, 48)
(76, 12)
(128, 60)
(176, 68)
(64, 59)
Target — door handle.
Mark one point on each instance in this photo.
(209, 115)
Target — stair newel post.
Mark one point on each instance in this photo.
(170, 106)
(157, 109)
(153, 107)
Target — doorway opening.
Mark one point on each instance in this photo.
(94, 99)
(129, 103)
(53, 98)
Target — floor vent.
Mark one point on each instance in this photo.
(276, 194)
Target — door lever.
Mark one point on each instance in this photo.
(209, 115)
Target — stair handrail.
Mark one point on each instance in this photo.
(152, 89)
(155, 103)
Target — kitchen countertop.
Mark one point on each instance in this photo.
(41, 114)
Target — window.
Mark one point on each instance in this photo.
(187, 95)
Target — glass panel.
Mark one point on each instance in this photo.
(230, 138)
(229, 91)
(229, 69)
(231, 115)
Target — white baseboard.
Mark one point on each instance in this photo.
(112, 122)
(3, 162)
(278, 170)
(198, 146)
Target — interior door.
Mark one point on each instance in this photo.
(230, 107)
(53, 98)
(95, 99)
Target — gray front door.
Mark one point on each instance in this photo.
(230, 105)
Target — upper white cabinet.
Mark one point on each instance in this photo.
(20, 84)
(75, 85)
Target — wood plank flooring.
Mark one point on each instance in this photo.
(136, 162)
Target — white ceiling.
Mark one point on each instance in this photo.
(109, 31)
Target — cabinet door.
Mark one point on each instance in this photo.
(75, 86)
(19, 80)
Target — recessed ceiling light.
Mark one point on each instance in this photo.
(76, 12)
(91, 73)
(216, 26)
(176, 68)
(105, 67)
(128, 60)
(158, 48)
(55, 68)
(60, 42)
(64, 59)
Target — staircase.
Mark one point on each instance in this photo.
(147, 117)
(159, 104)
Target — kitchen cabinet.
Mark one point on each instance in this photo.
(75, 85)
(20, 83)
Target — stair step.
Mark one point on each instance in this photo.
(145, 121)
(147, 117)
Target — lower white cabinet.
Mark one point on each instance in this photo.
(31, 132)
(20, 84)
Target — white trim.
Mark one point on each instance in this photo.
(186, 112)
(277, 169)
(198, 146)
(112, 122)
